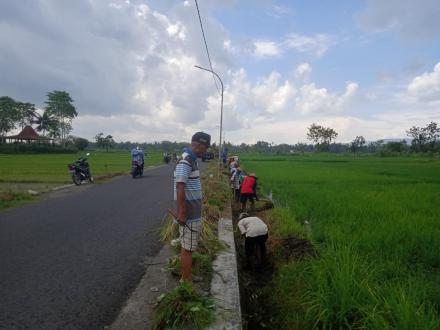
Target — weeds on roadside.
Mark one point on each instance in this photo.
(183, 307)
(8, 199)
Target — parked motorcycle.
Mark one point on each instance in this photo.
(136, 169)
(80, 171)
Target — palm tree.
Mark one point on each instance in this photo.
(46, 122)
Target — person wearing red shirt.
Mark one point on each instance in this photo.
(248, 191)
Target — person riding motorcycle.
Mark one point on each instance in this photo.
(137, 154)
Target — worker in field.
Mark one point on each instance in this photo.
(255, 232)
(248, 191)
(235, 183)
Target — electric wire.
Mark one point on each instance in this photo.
(206, 45)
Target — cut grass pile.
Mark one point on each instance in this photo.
(183, 307)
(374, 223)
(52, 168)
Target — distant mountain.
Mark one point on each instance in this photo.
(385, 141)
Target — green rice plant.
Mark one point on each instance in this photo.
(183, 308)
(402, 307)
(342, 284)
(282, 223)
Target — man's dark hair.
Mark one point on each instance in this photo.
(202, 138)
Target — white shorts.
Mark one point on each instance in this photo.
(189, 238)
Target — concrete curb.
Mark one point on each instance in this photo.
(224, 285)
(137, 313)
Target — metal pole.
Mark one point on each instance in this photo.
(221, 111)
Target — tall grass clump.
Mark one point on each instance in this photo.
(342, 289)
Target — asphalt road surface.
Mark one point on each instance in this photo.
(71, 261)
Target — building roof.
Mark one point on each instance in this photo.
(28, 133)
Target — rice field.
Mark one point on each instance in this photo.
(52, 168)
(376, 225)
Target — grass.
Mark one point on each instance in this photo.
(52, 168)
(183, 307)
(374, 222)
(10, 199)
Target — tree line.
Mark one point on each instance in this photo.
(54, 120)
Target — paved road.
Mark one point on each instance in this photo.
(70, 262)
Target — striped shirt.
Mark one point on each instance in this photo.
(187, 171)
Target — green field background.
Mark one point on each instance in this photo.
(52, 168)
(376, 223)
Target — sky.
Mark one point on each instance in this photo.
(365, 67)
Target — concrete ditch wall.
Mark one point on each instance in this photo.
(224, 285)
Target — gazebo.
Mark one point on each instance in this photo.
(28, 134)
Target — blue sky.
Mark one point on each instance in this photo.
(362, 67)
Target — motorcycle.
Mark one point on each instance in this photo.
(80, 171)
(136, 169)
(166, 158)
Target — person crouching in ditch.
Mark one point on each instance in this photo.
(256, 233)
(188, 195)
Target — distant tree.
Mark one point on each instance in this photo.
(357, 144)
(419, 138)
(424, 138)
(8, 115)
(322, 136)
(80, 143)
(60, 105)
(432, 132)
(26, 113)
(262, 146)
(104, 141)
(301, 147)
(395, 146)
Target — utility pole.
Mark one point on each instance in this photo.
(221, 112)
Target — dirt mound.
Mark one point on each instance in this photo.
(293, 248)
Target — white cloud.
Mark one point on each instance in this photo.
(426, 87)
(303, 71)
(266, 49)
(270, 96)
(319, 100)
(316, 45)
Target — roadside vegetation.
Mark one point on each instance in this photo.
(189, 306)
(372, 260)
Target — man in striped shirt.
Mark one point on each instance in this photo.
(188, 195)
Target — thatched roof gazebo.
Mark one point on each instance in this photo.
(28, 134)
